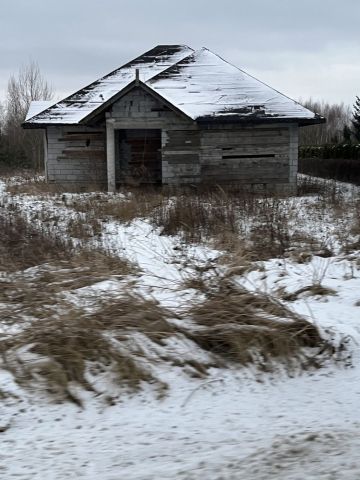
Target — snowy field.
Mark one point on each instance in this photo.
(230, 422)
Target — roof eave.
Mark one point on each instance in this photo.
(32, 126)
(236, 119)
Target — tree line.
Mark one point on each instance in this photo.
(342, 124)
(332, 150)
(19, 147)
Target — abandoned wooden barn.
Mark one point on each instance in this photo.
(173, 116)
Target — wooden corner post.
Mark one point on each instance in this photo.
(110, 157)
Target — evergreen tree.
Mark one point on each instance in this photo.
(356, 119)
(347, 134)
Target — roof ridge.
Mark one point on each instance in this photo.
(113, 72)
(174, 65)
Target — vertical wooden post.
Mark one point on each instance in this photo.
(293, 153)
(110, 157)
(45, 144)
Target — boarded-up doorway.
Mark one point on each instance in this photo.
(139, 156)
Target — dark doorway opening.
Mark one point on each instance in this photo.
(139, 156)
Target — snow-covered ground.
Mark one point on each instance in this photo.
(235, 424)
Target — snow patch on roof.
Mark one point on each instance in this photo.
(38, 106)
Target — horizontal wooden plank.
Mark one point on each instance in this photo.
(81, 155)
(182, 159)
(255, 149)
(246, 142)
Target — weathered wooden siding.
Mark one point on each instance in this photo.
(257, 157)
(139, 109)
(76, 155)
(261, 157)
(181, 157)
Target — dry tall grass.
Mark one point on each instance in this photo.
(23, 246)
(71, 345)
(248, 328)
(74, 345)
(229, 220)
(40, 293)
(29, 183)
(123, 207)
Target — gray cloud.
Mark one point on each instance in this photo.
(307, 48)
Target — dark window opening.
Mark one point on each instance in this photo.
(160, 109)
(266, 155)
(84, 133)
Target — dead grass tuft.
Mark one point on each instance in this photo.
(22, 246)
(84, 228)
(32, 184)
(197, 216)
(40, 293)
(74, 345)
(121, 207)
(313, 290)
(248, 328)
(269, 233)
(133, 313)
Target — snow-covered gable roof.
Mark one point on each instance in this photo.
(204, 86)
(199, 83)
(73, 109)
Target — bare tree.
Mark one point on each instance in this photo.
(338, 115)
(2, 136)
(28, 85)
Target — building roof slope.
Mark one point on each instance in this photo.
(74, 108)
(38, 106)
(199, 83)
(203, 85)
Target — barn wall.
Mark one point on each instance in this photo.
(76, 155)
(258, 157)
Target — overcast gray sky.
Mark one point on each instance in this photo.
(301, 47)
